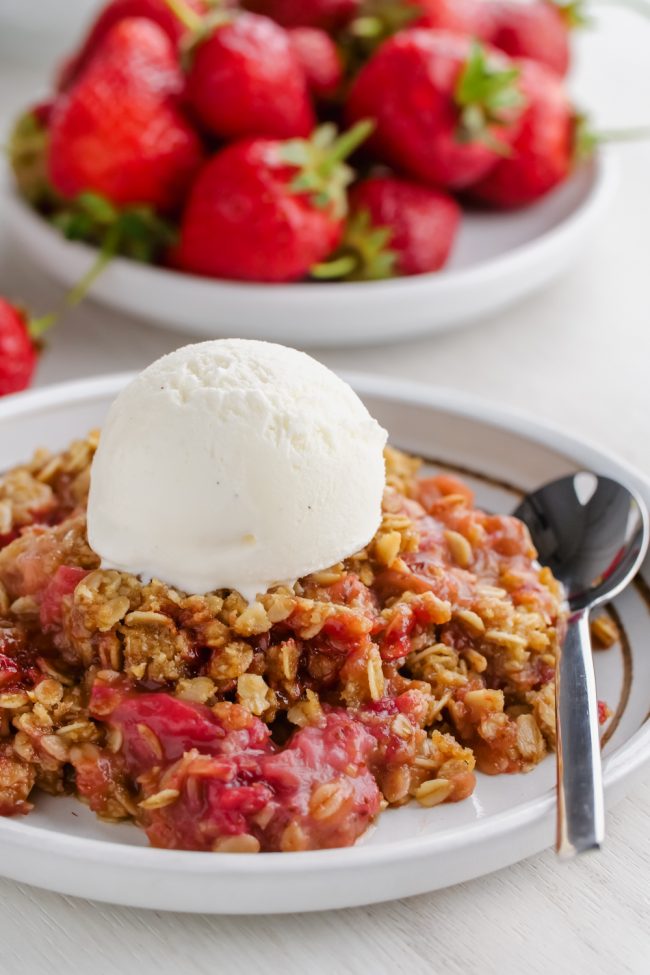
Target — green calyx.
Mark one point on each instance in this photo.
(199, 27)
(27, 155)
(136, 232)
(364, 254)
(321, 171)
(486, 95)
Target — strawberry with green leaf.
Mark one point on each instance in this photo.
(446, 108)
(396, 227)
(244, 78)
(544, 151)
(119, 131)
(268, 210)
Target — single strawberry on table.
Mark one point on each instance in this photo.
(18, 352)
(543, 151)
(445, 107)
(268, 210)
(116, 10)
(244, 78)
(119, 130)
(396, 227)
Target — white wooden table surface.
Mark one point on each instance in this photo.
(577, 355)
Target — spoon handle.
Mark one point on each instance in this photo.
(580, 808)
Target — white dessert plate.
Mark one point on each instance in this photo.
(499, 258)
(62, 847)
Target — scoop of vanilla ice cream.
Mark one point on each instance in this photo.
(235, 464)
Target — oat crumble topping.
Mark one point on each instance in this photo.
(289, 723)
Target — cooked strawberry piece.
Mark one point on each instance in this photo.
(245, 80)
(28, 564)
(393, 745)
(119, 131)
(431, 489)
(96, 774)
(18, 668)
(227, 773)
(171, 727)
(326, 795)
(508, 536)
(10, 672)
(63, 583)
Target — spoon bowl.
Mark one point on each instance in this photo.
(592, 532)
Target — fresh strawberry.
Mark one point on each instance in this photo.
(119, 132)
(266, 210)
(326, 14)
(18, 354)
(421, 222)
(319, 58)
(245, 80)
(542, 154)
(445, 107)
(395, 227)
(538, 30)
(116, 10)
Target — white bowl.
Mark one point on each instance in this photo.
(498, 259)
(61, 846)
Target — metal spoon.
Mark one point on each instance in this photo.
(593, 534)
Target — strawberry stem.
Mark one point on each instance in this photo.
(639, 134)
(188, 17)
(37, 327)
(346, 144)
(586, 139)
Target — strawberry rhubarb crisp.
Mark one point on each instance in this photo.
(288, 722)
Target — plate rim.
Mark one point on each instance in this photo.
(605, 169)
(622, 764)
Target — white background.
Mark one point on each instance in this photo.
(577, 355)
